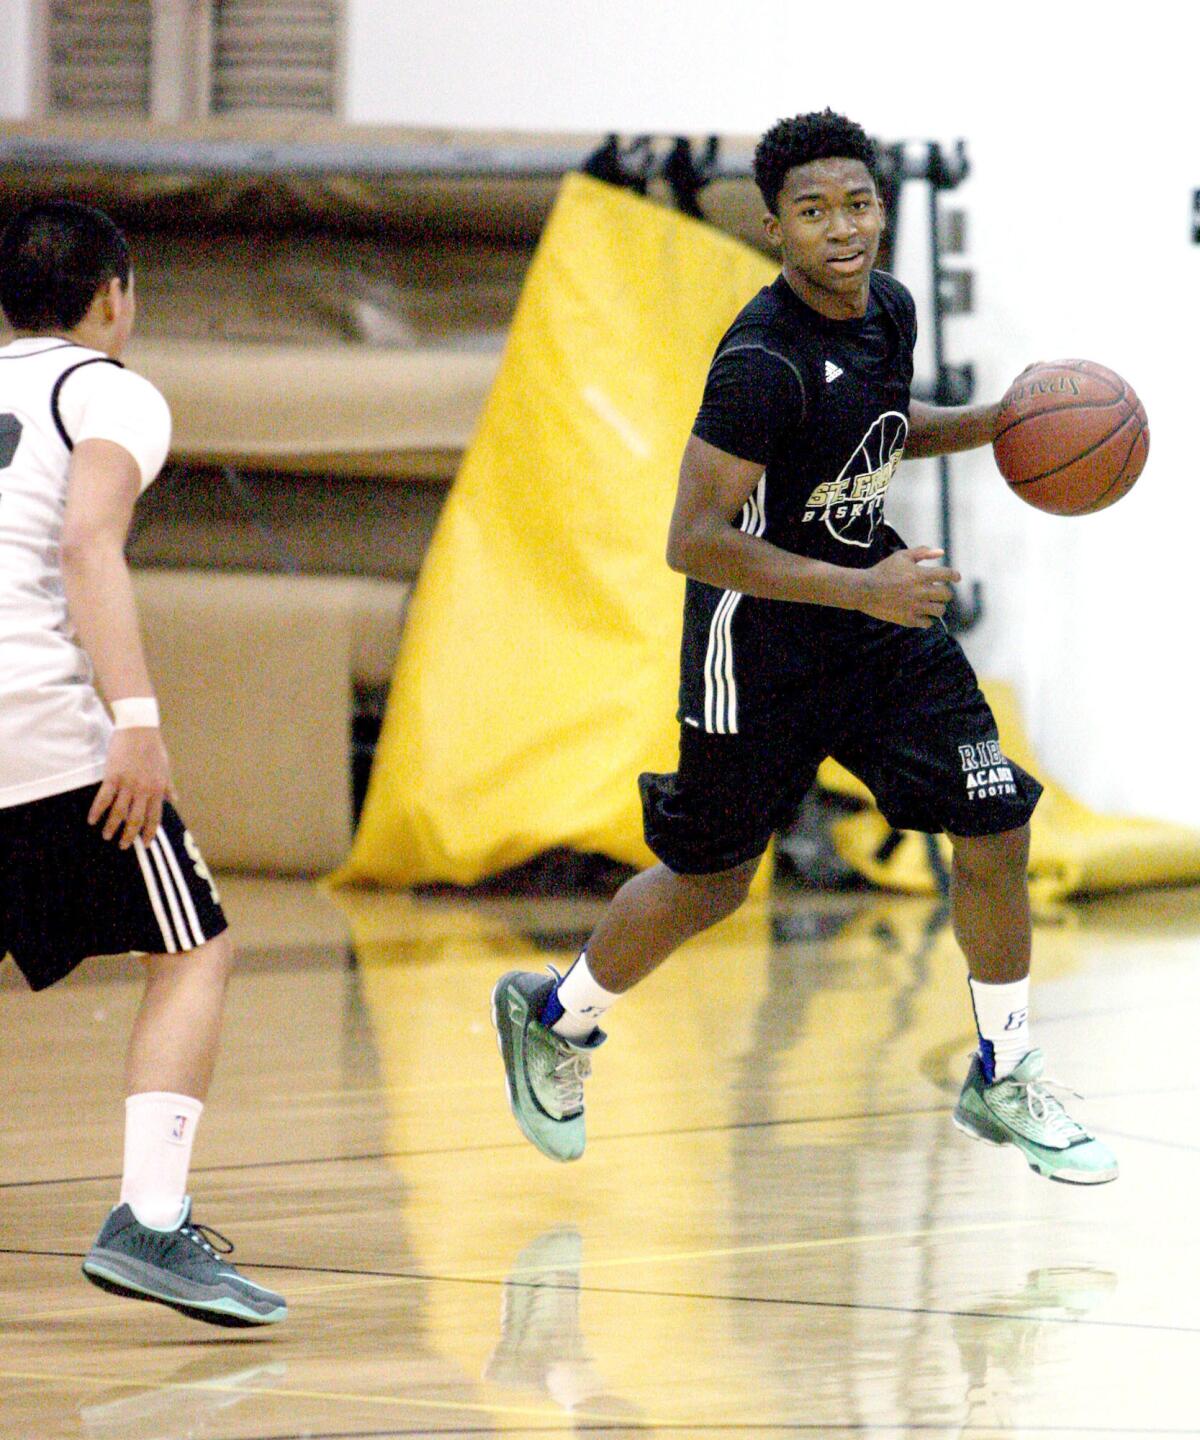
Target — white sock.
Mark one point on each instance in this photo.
(1002, 1019)
(159, 1128)
(583, 1002)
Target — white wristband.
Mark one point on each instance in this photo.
(139, 713)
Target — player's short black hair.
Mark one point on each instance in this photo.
(54, 257)
(819, 135)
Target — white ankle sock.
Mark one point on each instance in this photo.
(582, 1000)
(159, 1128)
(1002, 1019)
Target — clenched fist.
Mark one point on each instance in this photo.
(905, 591)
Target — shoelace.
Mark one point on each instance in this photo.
(209, 1240)
(571, 1069)
(1047, 1110)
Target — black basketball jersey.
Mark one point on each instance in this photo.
(823, 405)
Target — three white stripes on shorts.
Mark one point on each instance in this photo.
(170, 898)
(720, 687)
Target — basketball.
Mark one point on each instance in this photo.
(1071, 437)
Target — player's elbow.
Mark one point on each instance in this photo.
(82, 547)
(694, 545)
(75, 548)
(681, 550)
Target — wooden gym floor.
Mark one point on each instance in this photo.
(775, 1229)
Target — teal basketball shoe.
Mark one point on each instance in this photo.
(543, 1071)
(1020, 1111)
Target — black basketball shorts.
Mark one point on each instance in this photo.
(910, 721)
(67, 893)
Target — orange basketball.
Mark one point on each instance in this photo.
(1071, 437)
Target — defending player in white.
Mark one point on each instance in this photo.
(94, 859)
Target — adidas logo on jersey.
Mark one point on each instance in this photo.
(832, 372)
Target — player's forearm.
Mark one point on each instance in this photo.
(729, 559)
(943, 430)
(101, 605)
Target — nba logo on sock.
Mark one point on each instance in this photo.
(1016, 1019)
(178, 1128)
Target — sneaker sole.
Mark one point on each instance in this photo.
(1076, 1177)
(508, 1090)
(508, 1085)
(223, 1311)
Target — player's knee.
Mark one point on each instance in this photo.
(216, 958)
(212, 961)
(987, 856)
(219, 954)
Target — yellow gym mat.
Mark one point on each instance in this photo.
(538, 669)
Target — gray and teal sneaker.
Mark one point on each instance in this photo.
(1020, 1111)
(181, 1268)
(544, 1072)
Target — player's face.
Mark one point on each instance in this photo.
(827, 232)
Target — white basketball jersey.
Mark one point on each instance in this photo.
(54, 731)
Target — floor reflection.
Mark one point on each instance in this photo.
(1006, 1344)
(542, 1346)
(193, 1402)
(775, 1225)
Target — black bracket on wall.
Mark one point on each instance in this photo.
(687, 174)
(632, 164)
(952, 384)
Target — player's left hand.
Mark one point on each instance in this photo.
(137, 781)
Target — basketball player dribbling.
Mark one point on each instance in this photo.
(810, 630)
(94, 859)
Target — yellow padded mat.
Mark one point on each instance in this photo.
(539, 665)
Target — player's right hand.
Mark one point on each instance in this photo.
(907, 591)
(137, 780)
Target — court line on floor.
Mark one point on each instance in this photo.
(75, 1379)
(778, 1247)
(381, 1279)
(433, 1152)
(987, 1430)
(908, 1310)
(1154, 1140)
(568, 1426)
(726, 1127)
(868, 1307)
(577, 1421)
